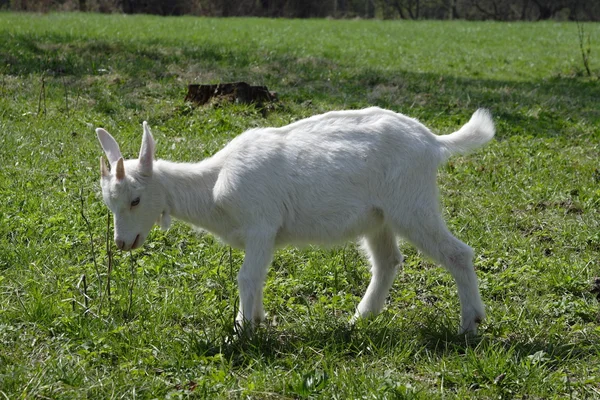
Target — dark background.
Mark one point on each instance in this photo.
(501, 10)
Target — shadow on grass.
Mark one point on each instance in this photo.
(544, 108)
(381, 339)
(65, 55)
(551, 107)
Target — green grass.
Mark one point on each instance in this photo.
(528, 204)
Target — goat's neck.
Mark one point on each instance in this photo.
(188, 190)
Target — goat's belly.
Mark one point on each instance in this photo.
(331, 229)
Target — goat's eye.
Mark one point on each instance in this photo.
(135, 202)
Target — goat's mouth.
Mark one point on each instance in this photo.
(122, 245)
(136, 243)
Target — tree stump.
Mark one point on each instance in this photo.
(237, 92)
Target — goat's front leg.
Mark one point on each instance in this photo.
(251, 278)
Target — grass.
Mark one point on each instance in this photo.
(528, 204)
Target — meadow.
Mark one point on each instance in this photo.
(528, 204)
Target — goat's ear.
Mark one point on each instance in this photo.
(120, 169)
(147, 151)
(103, 170)
(110, 146)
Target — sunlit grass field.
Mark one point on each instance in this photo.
(528, 204)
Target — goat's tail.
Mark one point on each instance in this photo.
(474, 134)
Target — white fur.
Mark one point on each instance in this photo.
(323, 180)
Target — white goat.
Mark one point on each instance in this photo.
(323, 180)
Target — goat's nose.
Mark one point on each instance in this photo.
(120, 243)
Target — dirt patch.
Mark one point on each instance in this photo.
(237, 92)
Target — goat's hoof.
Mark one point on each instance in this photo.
(243, 328)
(470, 329)
(357, 317)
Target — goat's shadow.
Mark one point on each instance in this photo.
(377, 338)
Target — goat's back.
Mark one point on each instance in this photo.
(336, 140)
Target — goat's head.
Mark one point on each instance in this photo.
(129, 190)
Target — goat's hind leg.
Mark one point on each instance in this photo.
(385, 258)
(428, 232)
